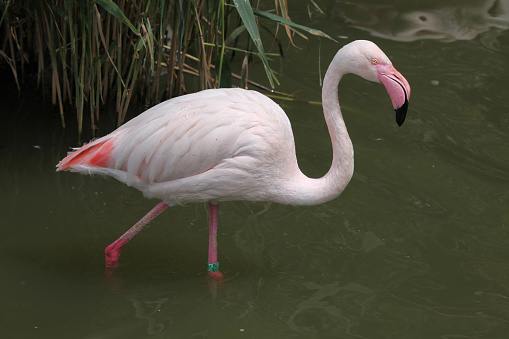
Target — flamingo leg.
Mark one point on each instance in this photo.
(213, 264)
(112, 252)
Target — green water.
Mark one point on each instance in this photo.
(416, 246)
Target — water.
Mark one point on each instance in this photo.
(416, 247)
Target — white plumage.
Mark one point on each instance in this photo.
(234, 144)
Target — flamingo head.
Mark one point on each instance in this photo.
(369, 62)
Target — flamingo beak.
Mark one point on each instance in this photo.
(398, 89)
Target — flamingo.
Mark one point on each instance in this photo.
(231, 144)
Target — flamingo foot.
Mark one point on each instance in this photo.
(217, 276)
(215, 279)
(112, 253)
(213, 271)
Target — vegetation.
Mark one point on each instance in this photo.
(94, 51)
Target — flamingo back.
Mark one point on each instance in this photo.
(190, 135)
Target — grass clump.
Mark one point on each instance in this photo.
(94, 51)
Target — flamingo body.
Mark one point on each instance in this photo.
(232, 144)
(218, 144)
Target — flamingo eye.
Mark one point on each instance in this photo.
(374, 61)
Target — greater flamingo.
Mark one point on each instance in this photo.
(231, 144)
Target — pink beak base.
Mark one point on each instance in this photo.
(398, 89)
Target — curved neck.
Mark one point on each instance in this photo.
(341, 171)
(309, 191)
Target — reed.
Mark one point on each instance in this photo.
(95, 51)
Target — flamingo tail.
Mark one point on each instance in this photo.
(94, 154)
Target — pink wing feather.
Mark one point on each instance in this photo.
(93, 154)
(186, 136)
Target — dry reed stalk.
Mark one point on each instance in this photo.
(114, 49)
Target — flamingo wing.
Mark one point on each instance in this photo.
(186, 136)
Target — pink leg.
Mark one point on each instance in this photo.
(112, 252)
(213, 265)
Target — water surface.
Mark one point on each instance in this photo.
(416, 246)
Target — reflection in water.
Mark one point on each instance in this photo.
(148, 310)
(321, 308)
(443, 20)
(417, 246)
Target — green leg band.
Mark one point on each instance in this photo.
(213, 267)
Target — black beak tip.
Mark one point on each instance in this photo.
(401, 113)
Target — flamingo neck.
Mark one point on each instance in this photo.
(341, 171)
(310, 191)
